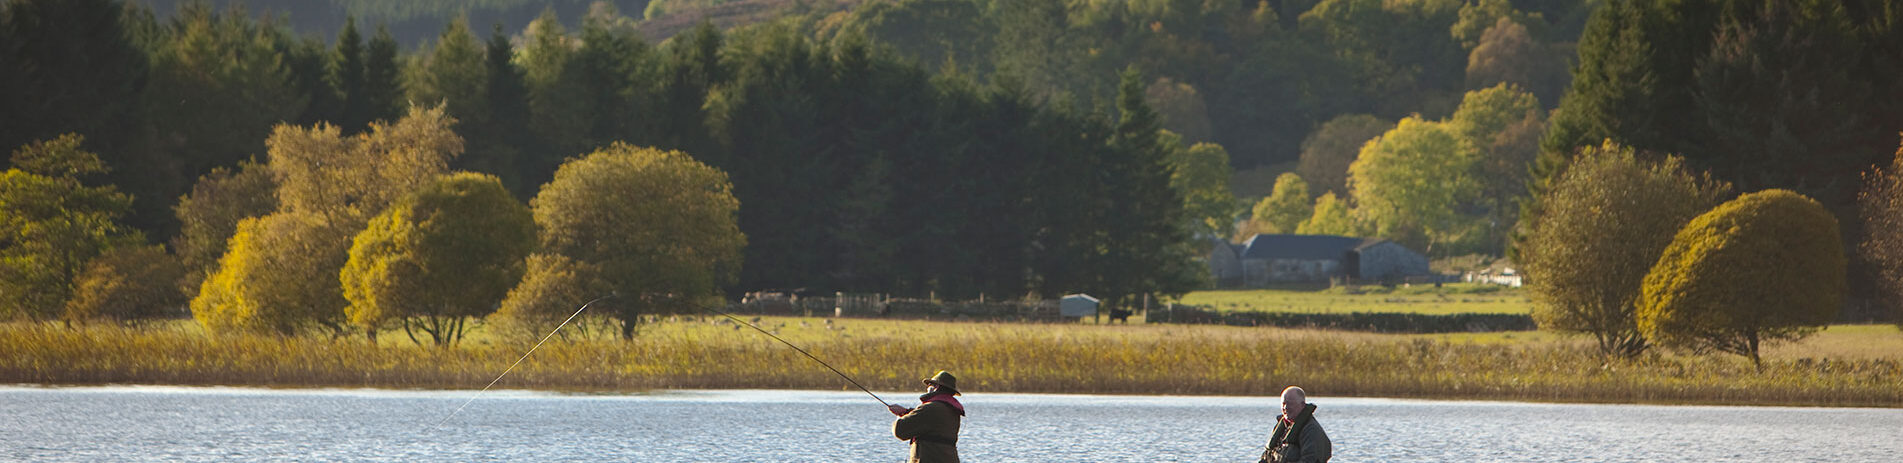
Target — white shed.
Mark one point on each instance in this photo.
(1077, 305)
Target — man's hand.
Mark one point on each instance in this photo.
(897, 410)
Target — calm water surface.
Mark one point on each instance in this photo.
(232, 424)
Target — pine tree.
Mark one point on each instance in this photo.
(501, 142)
(1146, 248)
(382, 87)
(346, 75)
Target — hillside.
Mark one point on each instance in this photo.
(414, 23)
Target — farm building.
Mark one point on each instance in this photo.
(1272, 259)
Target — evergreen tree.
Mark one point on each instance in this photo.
(1147, 250)
(555, 104)
(693, 68)
(382, 84)
(346, 75)
(612, 74)
(452, 73)
(308, 62)
(51, 224)
(219, 82)
(68, 66)
(501, 140)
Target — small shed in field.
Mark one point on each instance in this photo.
(1077, 305)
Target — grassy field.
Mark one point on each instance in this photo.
(1448, 299)
(1865, 366)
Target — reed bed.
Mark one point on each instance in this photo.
(988, 357)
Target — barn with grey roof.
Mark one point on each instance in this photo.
(1269, 259)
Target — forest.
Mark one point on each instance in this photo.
(950, 148)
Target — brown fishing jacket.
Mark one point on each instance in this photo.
(933, 430)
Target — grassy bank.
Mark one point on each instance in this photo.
(1863, 367)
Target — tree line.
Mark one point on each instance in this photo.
(249, 147)
(1634, 230)
(961, 148)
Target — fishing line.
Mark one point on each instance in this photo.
(525, 356)
(802, 351)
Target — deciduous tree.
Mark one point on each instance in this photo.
(278, 277)
(1508, 54)
(1182, 108)
(1607, 220)
(1200, 175)
(281, 271)
(655, 228)
(1332, 217)
(1880, 205)
(1283, 210)
(1762, 268)
(1503, 124)
(552, 287)
(209, 216)
(438, 257)
(128, 284)
(1328, 152)
(1410, 183)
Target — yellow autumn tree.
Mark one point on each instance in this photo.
(654, 228)
(1766, 267)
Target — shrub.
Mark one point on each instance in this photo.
(1605, 221)
(127, 284)
(1768, 266)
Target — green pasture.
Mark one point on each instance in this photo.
(1426, 299)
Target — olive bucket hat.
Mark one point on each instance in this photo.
(943, 380)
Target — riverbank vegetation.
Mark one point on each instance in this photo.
(1846, 365)
(947, 150)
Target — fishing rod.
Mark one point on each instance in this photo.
(801, 351)
(525, 356)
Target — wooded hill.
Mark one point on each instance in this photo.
(967, 147)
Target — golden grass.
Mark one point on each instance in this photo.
(1449, 299)
(889, 355)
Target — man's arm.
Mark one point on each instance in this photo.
(917, 423)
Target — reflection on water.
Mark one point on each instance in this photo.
(232, 424)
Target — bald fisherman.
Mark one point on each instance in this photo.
(1298, 438)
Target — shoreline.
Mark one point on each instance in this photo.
(1266, 401)
(1170, 360)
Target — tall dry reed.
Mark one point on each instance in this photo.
(988, 357)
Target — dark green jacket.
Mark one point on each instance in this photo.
(1305, 442)
(933, 430)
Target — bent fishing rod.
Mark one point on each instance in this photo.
(571, 317)
(801, 351)
(525, 356)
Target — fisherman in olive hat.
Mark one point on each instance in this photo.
(933, 426)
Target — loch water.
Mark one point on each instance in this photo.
(187, 424)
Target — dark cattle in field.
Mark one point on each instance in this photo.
(1120, 315)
